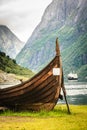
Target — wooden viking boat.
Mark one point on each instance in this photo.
(40, 92)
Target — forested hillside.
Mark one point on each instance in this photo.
(10, 66)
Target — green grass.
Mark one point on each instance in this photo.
(57, 111)
(58, 119)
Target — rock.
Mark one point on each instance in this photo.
(8, 78)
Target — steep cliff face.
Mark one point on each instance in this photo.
(9, 43)
(55, 16)
(66, 19)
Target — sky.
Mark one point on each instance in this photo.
(22, 16)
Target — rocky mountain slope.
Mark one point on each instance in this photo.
(9, 43)
(67, 20)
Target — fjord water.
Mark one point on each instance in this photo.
(76, 92)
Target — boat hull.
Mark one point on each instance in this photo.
(41, 92)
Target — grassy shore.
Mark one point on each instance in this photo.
(58, 119)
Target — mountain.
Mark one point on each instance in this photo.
(9, 43)
(66, 20)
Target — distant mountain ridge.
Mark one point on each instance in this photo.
(9, 43)
(66, 19)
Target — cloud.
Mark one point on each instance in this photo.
(22, 16)
(4, 1)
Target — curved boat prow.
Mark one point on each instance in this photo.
(40, 92)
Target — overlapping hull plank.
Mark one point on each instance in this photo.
(40, 92)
